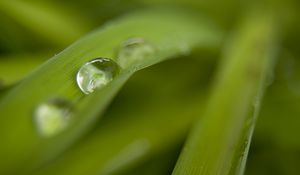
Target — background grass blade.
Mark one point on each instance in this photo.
(56, 78)
(49, 21)
(14, 67)
(220, 141)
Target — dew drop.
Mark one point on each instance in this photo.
(52, 117)
(96, 73)
(133, 50)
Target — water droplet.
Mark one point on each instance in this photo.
(96, 74)
(256, 101)
(133, 50)
(52, 117)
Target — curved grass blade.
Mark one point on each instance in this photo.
(135, 127)
(22, 146)
(220, 141)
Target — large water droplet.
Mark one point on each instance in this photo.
(96, 74)
(133, 50)
(52, 117)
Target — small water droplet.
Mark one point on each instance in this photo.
(133, 50)
(96, 74)
(52, 117)
(256, 101)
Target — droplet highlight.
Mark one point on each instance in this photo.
(96, 74)
(133, 50)
(52, 117)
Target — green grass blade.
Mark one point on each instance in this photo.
(20, 141)
(49, 21)
(220, 140)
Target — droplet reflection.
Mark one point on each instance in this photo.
(96, 73)
(52, 117)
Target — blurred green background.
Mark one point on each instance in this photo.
(33, 31)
